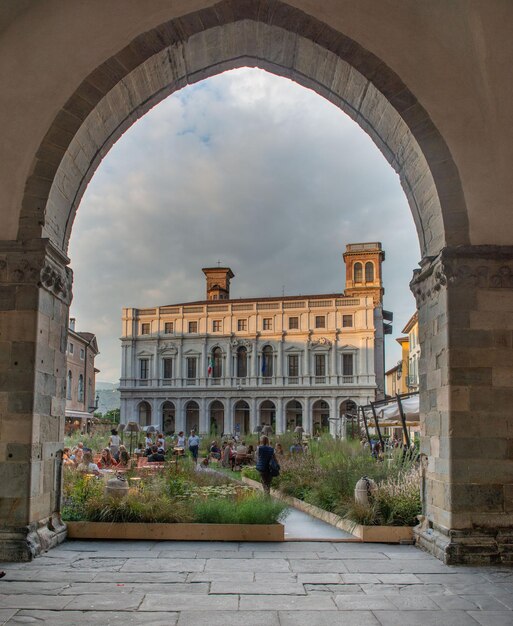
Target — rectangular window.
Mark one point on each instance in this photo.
(145, 329)
(191, 367)
(168, 328)
(320, 321)
(242, 324)
(193, 327)
(267, 323)
(293, 323)
(168, 368)
(320, 365)
(347, 321)
(144, 369)
(217, 326)
(347, 364)
(293, 365)
(82, 354)
(71, 348)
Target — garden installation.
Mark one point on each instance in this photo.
(318, 476)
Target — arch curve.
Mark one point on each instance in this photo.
(270, 35)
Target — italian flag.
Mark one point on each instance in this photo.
(210, 366)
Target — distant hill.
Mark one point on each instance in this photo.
(109, 397)
(106, 386)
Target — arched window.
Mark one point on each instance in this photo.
(217, 360)
(242, 362)
(369, 272)
(80, 388)
(69, 382)
(267, 361)
(144, 414)
(358, 273)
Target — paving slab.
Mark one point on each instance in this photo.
(471, 603)
(32, 601)
(228, 618)
(359, 602)
(189, 601)
(195, 577)
(253, 565)
(337, 566)
(492, 618)
(6, 614)
(106, 602)
(426, 618)
(258, 588)
(76, 589)
(325, 618)
(287, 603)
(164, 565)
(90, 618)
(131, 577)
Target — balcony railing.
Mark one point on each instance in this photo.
(233, 382)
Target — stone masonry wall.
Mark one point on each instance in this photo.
(35, 291)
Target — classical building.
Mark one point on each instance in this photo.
(225, 365)
(82, 350)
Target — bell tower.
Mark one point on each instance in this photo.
(363, 270)
(218, 282)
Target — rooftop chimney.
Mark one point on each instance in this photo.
(72, 323)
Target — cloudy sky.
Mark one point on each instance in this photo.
(248, 169)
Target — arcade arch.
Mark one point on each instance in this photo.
(94, 96)
(216, 418)
(241, 422)
(168, 418)
(192, 417)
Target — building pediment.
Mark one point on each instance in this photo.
(191, 352)
(244, 343)
(143, 353)
(348, 348)
(168, 348)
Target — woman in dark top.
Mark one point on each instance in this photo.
(264, 455)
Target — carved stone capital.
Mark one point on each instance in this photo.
(487, 267)
(39, 263)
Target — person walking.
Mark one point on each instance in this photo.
(194, 442)
(265, 453)
(114, 443)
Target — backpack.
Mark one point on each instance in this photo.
(274, 467)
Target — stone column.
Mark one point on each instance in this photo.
(280, 429)
(179, 414)
(253, 417)
(35, 293)
(465, 302)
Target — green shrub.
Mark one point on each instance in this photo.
(253, 509)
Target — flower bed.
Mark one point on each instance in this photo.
(177, 497)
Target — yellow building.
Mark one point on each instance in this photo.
(404, 377)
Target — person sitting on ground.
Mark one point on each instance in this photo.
(87, 466)
(78, 456)
(161, 442)
(241, 453)
(106, 460)
(251, 454)
(66, 458)
(214, 451)
(140, 450)
(124, 458)
(156, 455)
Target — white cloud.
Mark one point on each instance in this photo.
(246, 168)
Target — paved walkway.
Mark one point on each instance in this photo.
(250, 584)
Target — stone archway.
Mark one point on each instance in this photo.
(462, 288)
(216, 418)
(168, 422)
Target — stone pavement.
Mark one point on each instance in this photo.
(251, 584)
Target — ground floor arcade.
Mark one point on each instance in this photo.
(219, 415)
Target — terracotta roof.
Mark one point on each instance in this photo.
(268, 299)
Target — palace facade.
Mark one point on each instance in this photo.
(227, 365)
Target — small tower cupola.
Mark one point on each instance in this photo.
(363, 270)
(218, 282)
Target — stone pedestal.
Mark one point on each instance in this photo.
(465, 302)
(35, 293)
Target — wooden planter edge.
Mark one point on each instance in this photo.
(176, 532)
